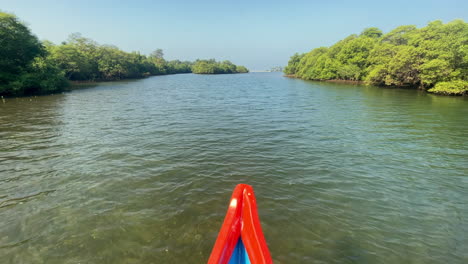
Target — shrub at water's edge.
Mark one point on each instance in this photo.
(25, 65)
(457, 87)
(214, 67)
(406, 56)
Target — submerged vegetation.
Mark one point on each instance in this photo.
(29, 66)
(433, 58)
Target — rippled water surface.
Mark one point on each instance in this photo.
(142, 171)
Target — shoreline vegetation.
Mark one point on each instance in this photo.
(432, 58)
(330, 81)
(214, 67)
(32, 67)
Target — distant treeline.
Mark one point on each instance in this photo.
(433, 58)
(29, 66)
(214, 67)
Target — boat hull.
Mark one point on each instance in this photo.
(241, 238)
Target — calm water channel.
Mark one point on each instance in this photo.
(142, 171)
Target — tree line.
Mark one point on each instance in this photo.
(214, 67)
(432, 58)
(29, 66)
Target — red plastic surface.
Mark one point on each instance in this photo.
(241, 221)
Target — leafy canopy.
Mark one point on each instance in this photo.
(213, 67)
(406, 56)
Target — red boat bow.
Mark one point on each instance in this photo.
(241, 222)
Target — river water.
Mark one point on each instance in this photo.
(142, 171)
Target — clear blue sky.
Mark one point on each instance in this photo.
(257, 34)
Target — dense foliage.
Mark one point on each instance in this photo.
(25, 66)
(28, 66)
(84, 59)
(406, 56)
(457, 87)
(293, 64)
(214, 67)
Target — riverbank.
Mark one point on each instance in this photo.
(404, 57)
(454, 88)
(75, 85)
(331, 81)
